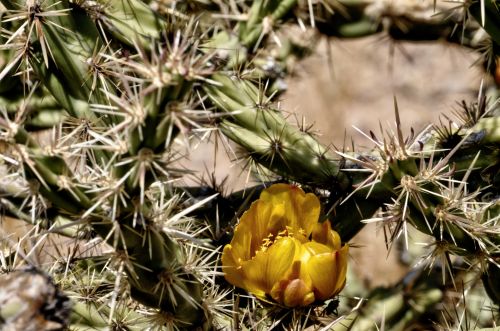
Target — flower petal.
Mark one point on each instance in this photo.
(328, 272)
(323, 233)
(270, 266)
(342, 257)
(297, 293)
(296, 288)
(276, 220)
(301, 209)
(315, 248)
(231, 267)
(252, 230)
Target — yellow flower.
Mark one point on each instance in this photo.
(279, 250)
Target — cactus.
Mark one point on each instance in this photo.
(100, 99)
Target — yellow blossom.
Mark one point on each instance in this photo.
(279, 250)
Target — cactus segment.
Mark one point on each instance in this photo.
(270, 140)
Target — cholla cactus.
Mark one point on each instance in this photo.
(99, 101)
